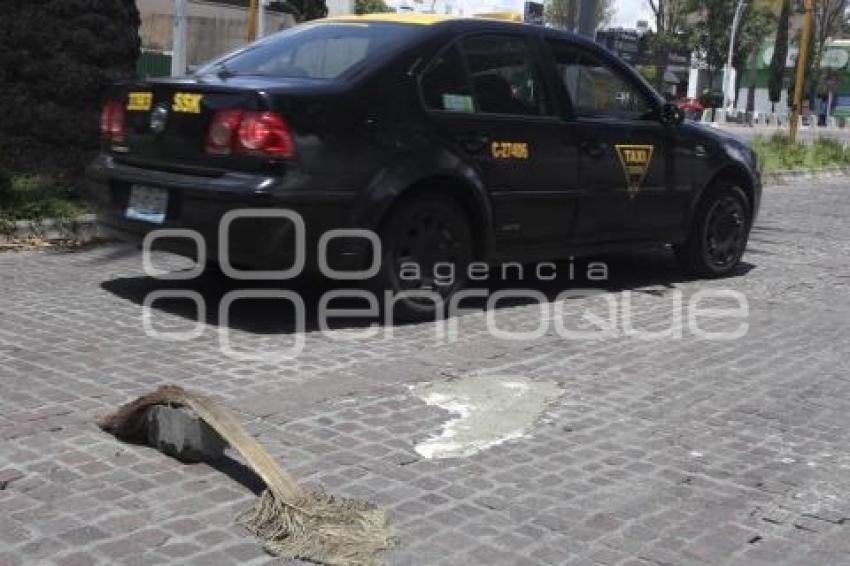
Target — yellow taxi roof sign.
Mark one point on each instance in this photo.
(502, 16)
(394, 17)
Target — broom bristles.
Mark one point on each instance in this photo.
(321, 528)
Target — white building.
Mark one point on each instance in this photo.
(339, 7)
(214, 27)
(455, 7)
(447, 7)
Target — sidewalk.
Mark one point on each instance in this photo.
(83, 228)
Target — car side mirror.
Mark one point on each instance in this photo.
(671, 115)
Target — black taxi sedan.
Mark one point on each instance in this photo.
(454, 140)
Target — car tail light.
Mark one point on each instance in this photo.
(248, 132)
(222, 131)
(112, 123)
(266, 133)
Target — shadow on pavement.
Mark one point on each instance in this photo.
(240, 473)
(653, 271)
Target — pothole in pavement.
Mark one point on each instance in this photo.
(489, 409)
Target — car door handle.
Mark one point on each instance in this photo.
(594, 149)
(473, 143)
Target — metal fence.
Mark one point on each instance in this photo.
(153, 64)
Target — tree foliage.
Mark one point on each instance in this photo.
(566, 14)
(669, 18)
(710, 37)
(759, 23)
(670, 31)
(830, 19)
(371, 7)
(780, 55)
(304, 10)
(57, 59)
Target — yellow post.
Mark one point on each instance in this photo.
(803, 55)
(252, 21)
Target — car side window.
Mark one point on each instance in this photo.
(595, 88)
(505, 78)
(445, 85)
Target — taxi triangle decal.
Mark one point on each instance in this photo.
(635, 160)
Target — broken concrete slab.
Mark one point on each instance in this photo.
(178, 433)
(491, 409)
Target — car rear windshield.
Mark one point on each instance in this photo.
(314, 51)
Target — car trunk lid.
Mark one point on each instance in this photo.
(167, 124)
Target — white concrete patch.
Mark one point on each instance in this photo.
(490, 409)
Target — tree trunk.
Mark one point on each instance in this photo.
(572, 8)
(738, 76)
(661, 57)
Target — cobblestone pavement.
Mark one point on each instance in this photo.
(681, 451)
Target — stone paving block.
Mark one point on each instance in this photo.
(674, 452)
(83, 536)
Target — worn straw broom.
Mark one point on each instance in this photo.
(294, 523)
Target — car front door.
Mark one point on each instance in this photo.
(626, 154)
(489, 101)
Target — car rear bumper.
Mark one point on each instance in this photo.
(199, 204)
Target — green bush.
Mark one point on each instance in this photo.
(825, 152)
(37, 197)
(57, 59)
(5, 187)
(777, 153)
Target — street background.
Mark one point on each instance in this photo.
(673, 452)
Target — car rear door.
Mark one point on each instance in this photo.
(488, 100)
(626, 155)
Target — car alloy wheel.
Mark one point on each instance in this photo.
(725, 232)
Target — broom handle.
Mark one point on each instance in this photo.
(127, 421)
(280, 483)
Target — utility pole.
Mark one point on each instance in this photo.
(587, 18)
(178, 49)
(252, 21)
(728, 71)
(802, 57)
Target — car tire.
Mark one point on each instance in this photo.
(718, 234)
(424, 230)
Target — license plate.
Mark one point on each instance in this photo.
(147, 204)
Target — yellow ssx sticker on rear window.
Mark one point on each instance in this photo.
(187, 103)
(635, 160)
(509, 150)
(139, 101)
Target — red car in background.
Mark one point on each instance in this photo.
(692, 107)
